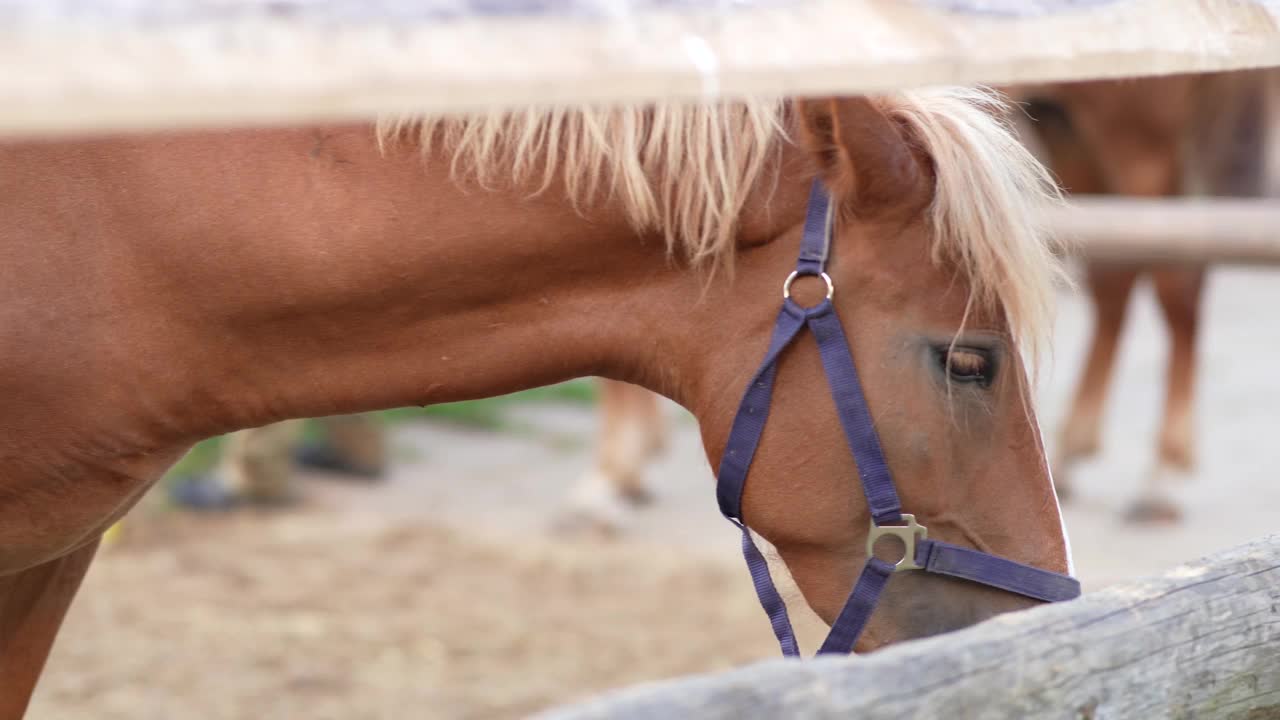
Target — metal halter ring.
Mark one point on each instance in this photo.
(909, 534)
(786, 285)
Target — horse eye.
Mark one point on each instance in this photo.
(966, 365)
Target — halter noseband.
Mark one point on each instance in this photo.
(887, 518)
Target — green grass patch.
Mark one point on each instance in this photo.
(199, 459)
(488, 414)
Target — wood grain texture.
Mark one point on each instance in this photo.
(76, 65)
(1201, 642)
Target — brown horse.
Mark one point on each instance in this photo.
(1151, 137)
(162, 289)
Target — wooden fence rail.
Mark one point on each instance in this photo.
(76, 65)
(1220, 230)
(1202, 642)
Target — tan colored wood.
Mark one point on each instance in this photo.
(1203, 642)
(71, 65)
(1221, 231)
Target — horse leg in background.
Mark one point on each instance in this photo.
(1178, 291)
(33, 603)
(257, 464)
(638, 435)
(1047, 129)
(1109, 288)
(353, 445)
(1141, 136)
(631, 432)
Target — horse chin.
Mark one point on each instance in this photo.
(919, 605)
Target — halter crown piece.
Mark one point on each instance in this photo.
(887, 518)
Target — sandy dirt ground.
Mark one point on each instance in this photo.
(441, 593)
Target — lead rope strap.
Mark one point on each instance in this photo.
(857, 610)
(770, 600)
(744, 438)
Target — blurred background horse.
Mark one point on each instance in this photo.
(1182, 135)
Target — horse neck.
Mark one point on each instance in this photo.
(239, 278)
(155, 291)
(387, 284)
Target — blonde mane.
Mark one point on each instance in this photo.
(685, 170)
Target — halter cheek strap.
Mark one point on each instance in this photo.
(887, 518)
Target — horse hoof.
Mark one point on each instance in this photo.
(1153, 511)
(638, 496)
(326, 459)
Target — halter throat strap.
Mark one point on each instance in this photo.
(922, 553)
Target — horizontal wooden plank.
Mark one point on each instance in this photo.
(1193, 230)
(1203, 641)
(76, 65)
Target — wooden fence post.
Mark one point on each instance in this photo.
(1202, 642)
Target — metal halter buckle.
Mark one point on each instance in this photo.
(786, 285)
(909, 534)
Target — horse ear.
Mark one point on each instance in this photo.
(863, 155)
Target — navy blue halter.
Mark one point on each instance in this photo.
(887, 518)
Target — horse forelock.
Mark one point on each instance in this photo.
(988, 204)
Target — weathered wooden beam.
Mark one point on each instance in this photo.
(1192, 230)
(1203, 642)
(75, 65)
